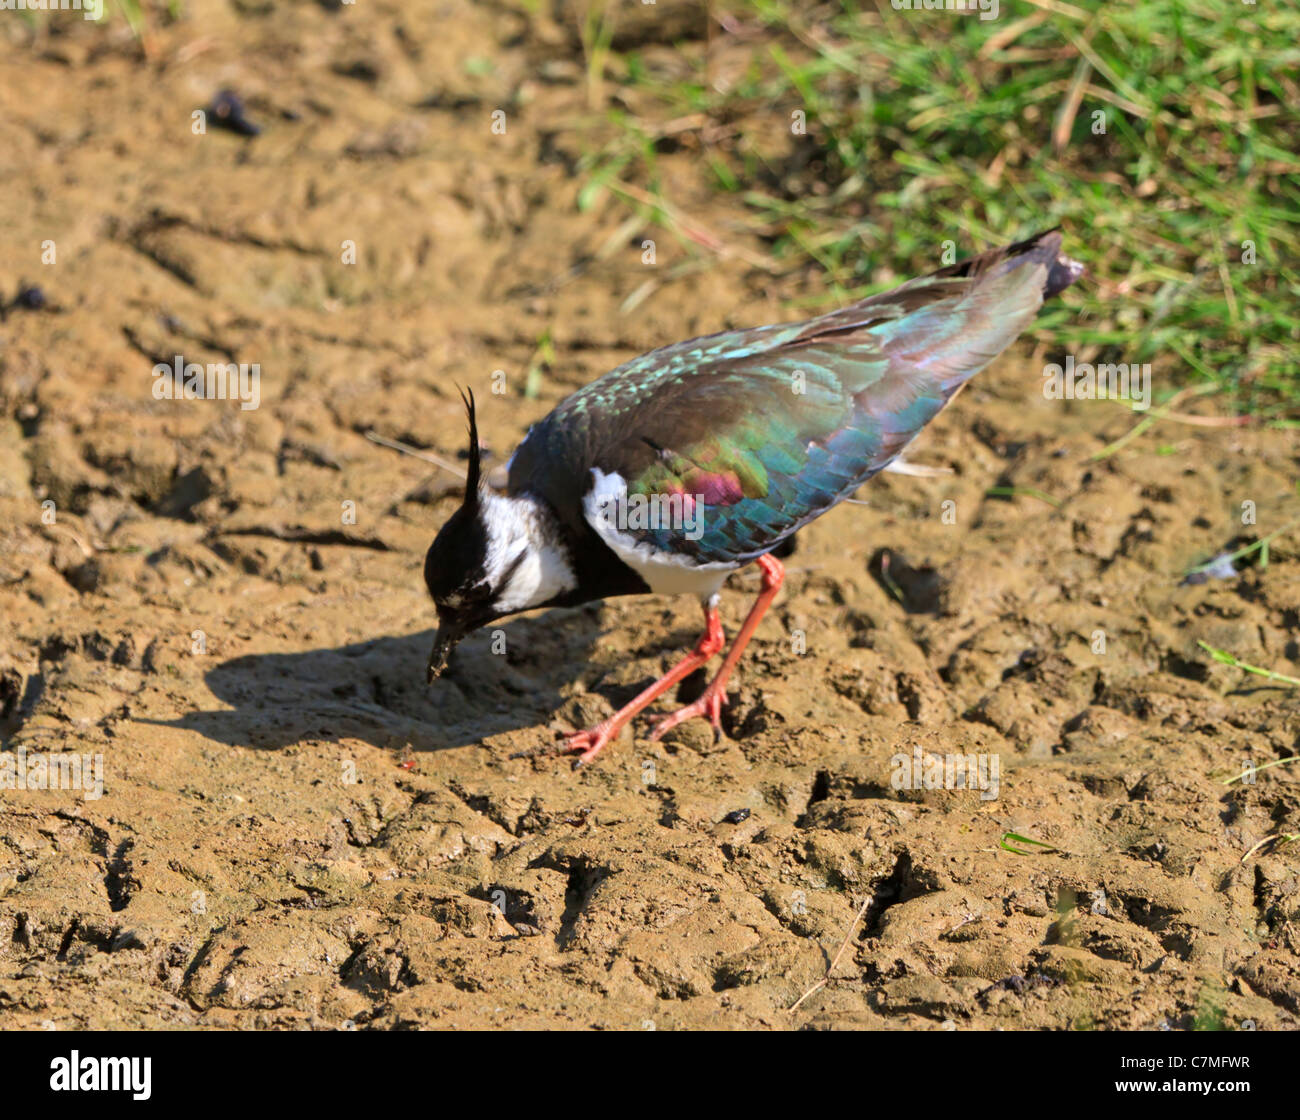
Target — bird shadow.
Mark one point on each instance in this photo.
(506, 677)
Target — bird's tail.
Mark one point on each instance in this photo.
(1062, 271)
(948, 325)
(1043, 248)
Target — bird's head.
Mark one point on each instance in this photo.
(456, 565)
(494, 556)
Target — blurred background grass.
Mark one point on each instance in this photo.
(1162, 135)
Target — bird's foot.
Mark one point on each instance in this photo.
(709, 705)
(588, 744)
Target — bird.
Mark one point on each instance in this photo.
(697, 459)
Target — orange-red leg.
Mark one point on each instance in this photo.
(714, 696)
(591, 742)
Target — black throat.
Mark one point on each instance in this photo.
(599, 573)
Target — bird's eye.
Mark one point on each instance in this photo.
(471, 596)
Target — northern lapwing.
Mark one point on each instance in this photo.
(671, 472)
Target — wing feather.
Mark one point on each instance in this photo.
(768, 428)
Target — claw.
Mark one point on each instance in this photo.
(709, 705)
(589, 743)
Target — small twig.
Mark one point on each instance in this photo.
(1150, 418)
(1256, 769)
(1260, 546)
(1010, 34)
(1226, 658)
(964, 922)
(407, 449)
(916, 470)
(831, 968)
(1070, 106)
(76, 538)
(1207, 421)
(1281, 837)
(692, 231)
(1022, 491)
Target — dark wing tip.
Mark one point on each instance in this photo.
(1061, 273)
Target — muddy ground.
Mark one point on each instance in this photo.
(227, 606)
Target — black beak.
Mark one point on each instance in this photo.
(443, 643)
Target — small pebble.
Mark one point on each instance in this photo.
(30, 299)
(227, 111)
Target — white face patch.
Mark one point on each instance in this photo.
(525, 563)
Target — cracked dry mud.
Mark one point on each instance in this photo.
(296, 831)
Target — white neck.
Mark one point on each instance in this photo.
(523, 525)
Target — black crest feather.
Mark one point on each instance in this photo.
(474, 469)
